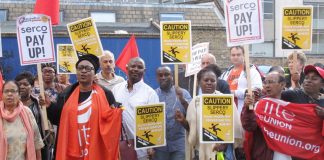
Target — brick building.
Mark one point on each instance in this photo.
(136, 16)
(141, 17)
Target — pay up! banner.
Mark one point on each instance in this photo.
(84, 37)
(150, 126)
(244, 22)
(217, 119)
(35, 39)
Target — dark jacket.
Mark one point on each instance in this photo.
(299, 96)
(258, 145)
(55, 109)
(223, 86)
(36, 110)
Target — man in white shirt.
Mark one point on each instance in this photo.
(107, 77)
(235, 76)
(132, 93)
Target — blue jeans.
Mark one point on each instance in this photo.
(229, 155)
(162, 155)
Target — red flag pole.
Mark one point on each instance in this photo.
(50, 8)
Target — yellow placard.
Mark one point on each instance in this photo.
(297, 27)
(150, 126)
(84, 37)
(217, 119)
(67, 59)
(175, 42)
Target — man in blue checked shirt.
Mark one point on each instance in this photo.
(176, 100)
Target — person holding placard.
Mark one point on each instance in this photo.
(296, 75)
(236, 76)
(52, 88)
(265, 138)
(25, 81)
(274, 84)
(207, 79)
(176, 101)
(131, 93)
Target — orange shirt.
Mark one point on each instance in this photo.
(233, 78)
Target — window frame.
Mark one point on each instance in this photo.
(5, 11)
(104, 12)
(172, 13)
(272, 9)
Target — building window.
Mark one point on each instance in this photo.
(318, 15)
(317, 43)
(153, 1)
(171, 16)
(3, 15)
(318, 28)
(140, 1)
(103, 16)
(61, 16)
(262, 49)
(267, 9)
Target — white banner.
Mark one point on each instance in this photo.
(197, 51)
(35, 39)
(244, 22)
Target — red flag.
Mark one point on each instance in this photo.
(50, 8)
(130, 51)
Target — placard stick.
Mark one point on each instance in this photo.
(247, 69)
(42, 91)
(194, 86)
(176, 75)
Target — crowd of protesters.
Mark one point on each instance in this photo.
(79, 112)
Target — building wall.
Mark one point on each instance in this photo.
(206, 26)
(199, 15)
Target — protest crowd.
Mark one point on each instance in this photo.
(237, 113)
(81, 109)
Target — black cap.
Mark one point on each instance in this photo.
(94, 60)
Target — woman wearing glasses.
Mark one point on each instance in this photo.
(82, 113)
(19, 134)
